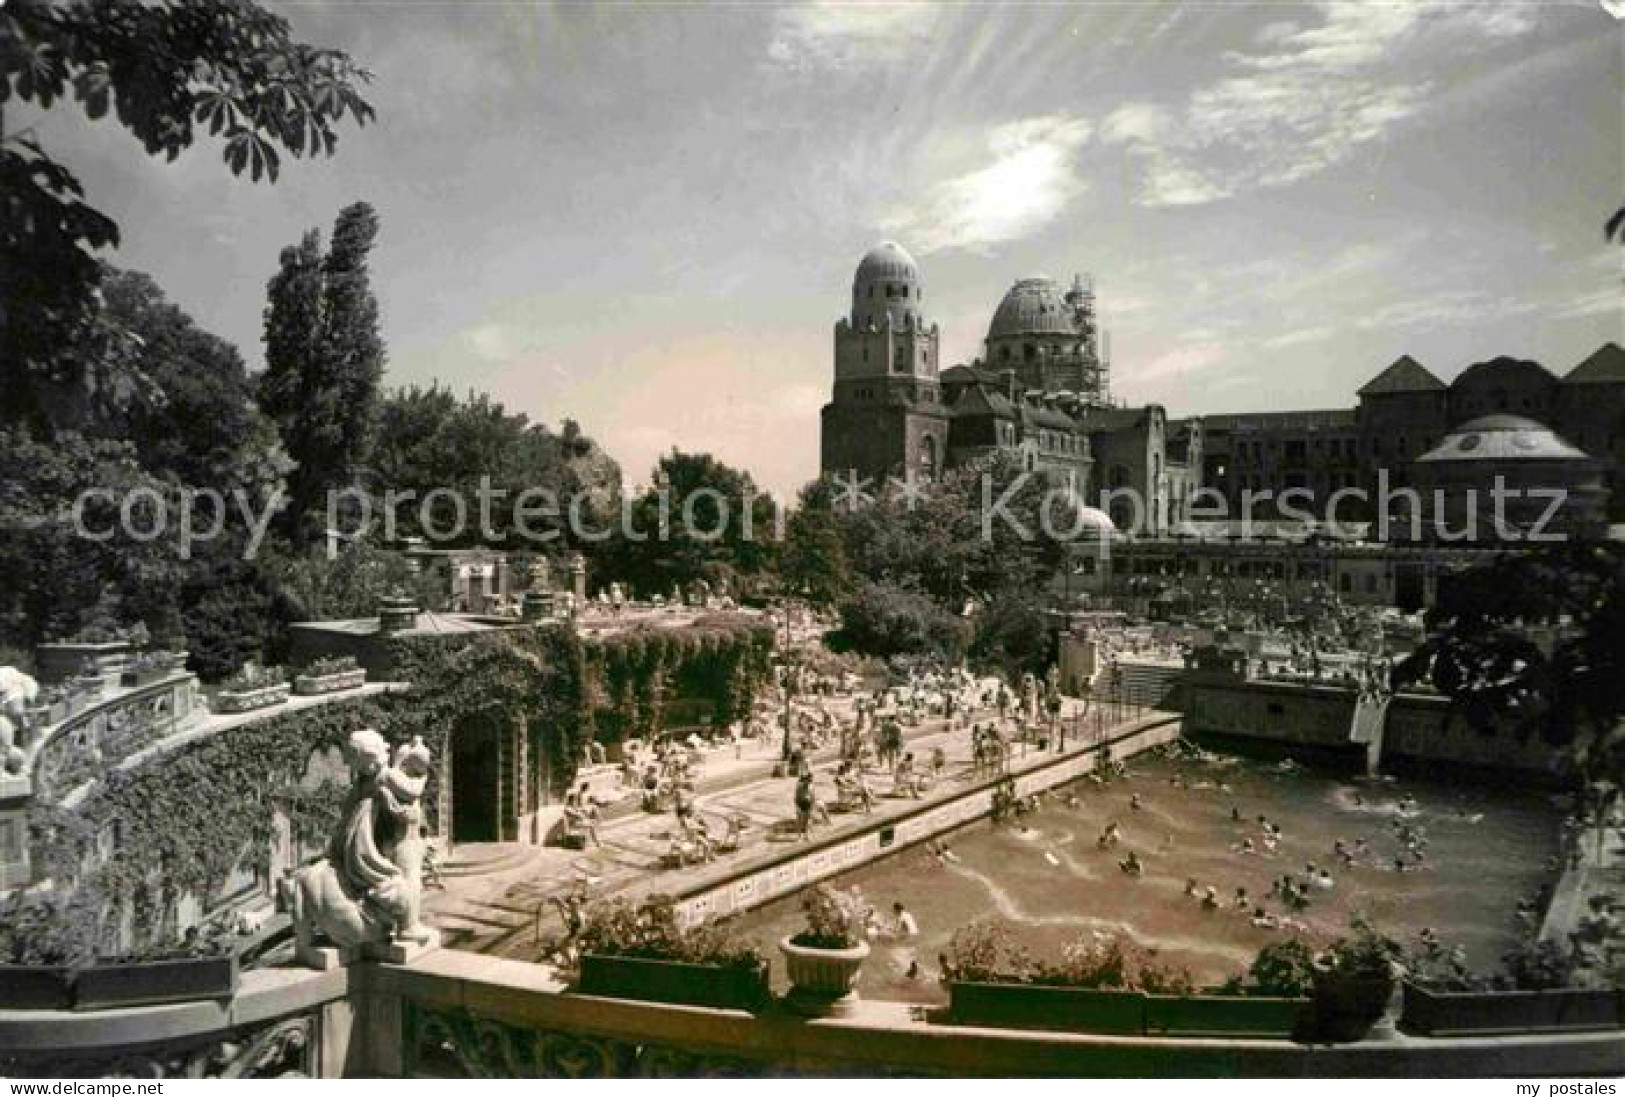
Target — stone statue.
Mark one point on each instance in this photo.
(1029, 698)
(17, 692)
(366, 894)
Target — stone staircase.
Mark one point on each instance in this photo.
(1144, 681)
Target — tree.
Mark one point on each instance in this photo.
(1530, 643)
(200, 424)
(1011, 634)
(812, 562)
(163, 70)
(700, 520)
(324, 360)
(429, 439)
(886, 619)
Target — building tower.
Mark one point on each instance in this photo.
(885, 415)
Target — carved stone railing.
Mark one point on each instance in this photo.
(281, 1024)
(82, 746)
(463, 1015)
(453, 1014)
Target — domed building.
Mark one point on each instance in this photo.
(1503, 478)
(885, 416)
(1039, 396)
(1049, 339)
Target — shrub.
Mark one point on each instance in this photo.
(330, 664)
(836, 919)
(889, 619)
(252, 676)
(987, 952)
(1537, 965)
(1164, 979)
(1283, 969)
(1365, 954)
(1090, 963)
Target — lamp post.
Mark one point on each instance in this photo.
(789, 689)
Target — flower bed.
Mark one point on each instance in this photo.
(1440, 1013)
(639, 951)
(112, 986)
(314, 685)
(230, 700)
(674, 982)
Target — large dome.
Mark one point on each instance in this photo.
(887, 262)
(1502, 438)
(1034, 306)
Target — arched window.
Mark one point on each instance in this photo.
(928, 456)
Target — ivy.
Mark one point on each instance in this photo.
(190, 818)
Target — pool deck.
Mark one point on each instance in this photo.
(501, 913)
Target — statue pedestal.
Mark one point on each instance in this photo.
(400, 951)
(325, 957)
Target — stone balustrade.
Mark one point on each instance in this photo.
(281, 1023)
(455, 1014)
(111, 728)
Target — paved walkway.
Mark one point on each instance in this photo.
(501, 913)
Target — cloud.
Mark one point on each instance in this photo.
(1602, 302)
(1303, 335)
(827, 35)
(1303, 100)
(1028, 183)
(1180, 362)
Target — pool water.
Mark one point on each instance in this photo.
(1485, 849)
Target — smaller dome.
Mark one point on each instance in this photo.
(1503, 438)
(887, 262)
(1033, 306)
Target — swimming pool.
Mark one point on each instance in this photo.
(1485, 848)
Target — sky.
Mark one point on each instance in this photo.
(646, 217)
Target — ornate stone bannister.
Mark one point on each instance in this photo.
(281, 1024)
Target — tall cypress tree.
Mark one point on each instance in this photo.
(324, 360)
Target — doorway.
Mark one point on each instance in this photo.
(474, 776)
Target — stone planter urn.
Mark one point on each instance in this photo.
(823, 981)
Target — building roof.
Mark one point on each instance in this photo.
(1606, 366)
(1502, 438)
(1114, 418)
(1033, 306)
(982, 401)
(1250, 421)
(887, 262)
(1496, 371)
(1048, 417)
(967, 375)
(1405, 375)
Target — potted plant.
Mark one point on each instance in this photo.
(1353, 983)
(40, 937)
(825, 959)
(994, 981)
(148, 667)
(252, 687)
(329, 675)
(640, 951)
